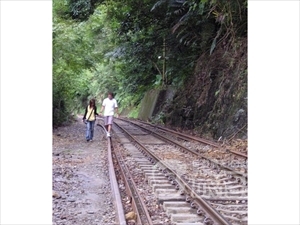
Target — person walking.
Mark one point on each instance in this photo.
(109, 106)
(89, 119)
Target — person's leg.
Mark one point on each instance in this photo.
(109, 122)
(88, 131)
(92, 129)
(106, 123)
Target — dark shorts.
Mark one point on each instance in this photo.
(108, 120)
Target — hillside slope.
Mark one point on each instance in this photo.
(213, 102)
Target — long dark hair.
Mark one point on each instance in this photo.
(92, 103)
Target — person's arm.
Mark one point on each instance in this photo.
(102, 108)
(96, 111)
(84, 114)
(116, 108)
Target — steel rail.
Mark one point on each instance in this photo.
(180, 134)
(238, 153)
(187, 137)
(189, 150)
(128, 190)
(120, 217)
(219, 219)
(131, 189)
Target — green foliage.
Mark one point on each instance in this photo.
(81, 9)
(130, 47)
(160, 118)
(134, 113)
(73, 53)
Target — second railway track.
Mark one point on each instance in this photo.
(233, 160)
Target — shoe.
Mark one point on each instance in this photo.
(87, 140)
(108, 134)
(91, 140)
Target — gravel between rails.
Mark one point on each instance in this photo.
(155, 210)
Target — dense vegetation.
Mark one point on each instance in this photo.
(129, 47)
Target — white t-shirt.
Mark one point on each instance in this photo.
(110, 106)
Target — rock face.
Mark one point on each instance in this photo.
(213, 102)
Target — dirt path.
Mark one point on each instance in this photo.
(81, 188)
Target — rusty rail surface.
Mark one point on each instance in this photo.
(219, 219)
(181, 134)
(238, 154)
(187, 137)
(120, 217)
(139, 207)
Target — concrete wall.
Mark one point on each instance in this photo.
(148, 104)
(153, 102)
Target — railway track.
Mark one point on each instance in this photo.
(190, 138)
(192, 183)
(232, 160)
